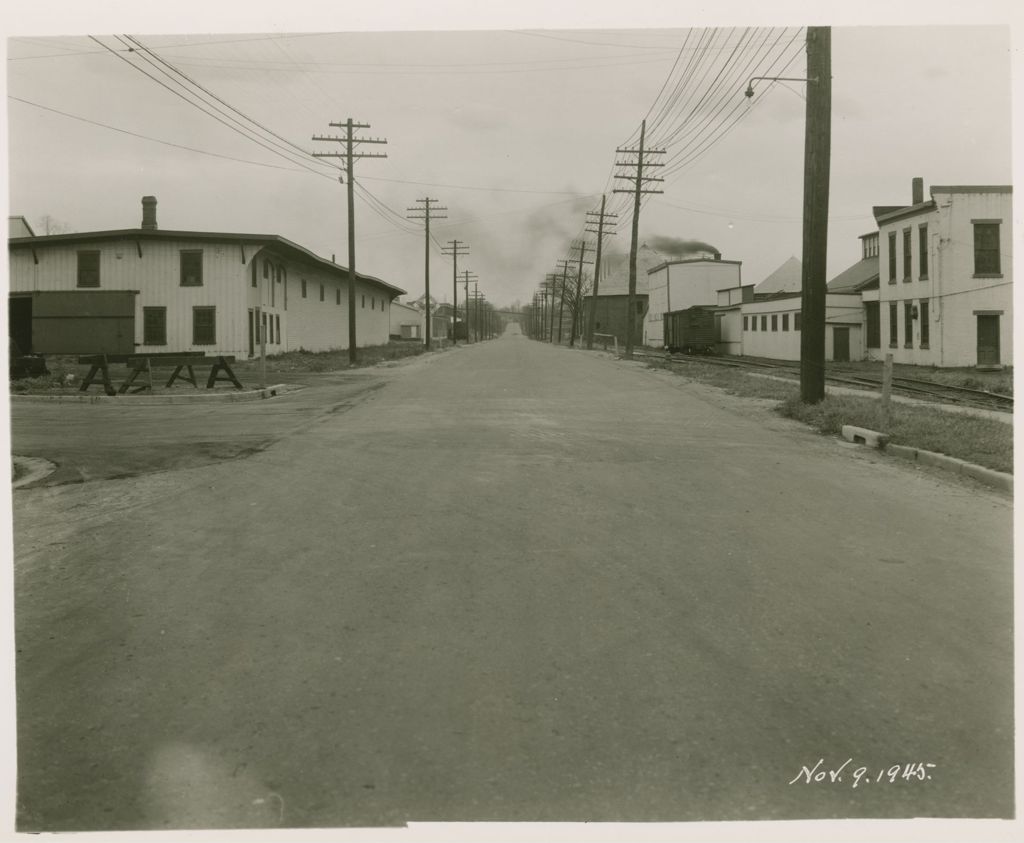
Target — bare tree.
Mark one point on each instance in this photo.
(51, 225)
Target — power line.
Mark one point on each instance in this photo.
(196, 105)
(146, 51)
(158, 140)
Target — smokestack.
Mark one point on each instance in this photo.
(149, 213)
(917, 190)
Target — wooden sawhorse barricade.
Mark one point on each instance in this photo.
(220, 370)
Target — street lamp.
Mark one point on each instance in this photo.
(749, 93)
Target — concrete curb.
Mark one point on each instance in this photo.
(150, 400)
(987, 476)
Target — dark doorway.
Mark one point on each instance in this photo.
(841, 345)
(19, 322)
(988, 340)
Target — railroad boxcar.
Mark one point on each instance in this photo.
(691, 331)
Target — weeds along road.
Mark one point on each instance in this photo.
(516, 583)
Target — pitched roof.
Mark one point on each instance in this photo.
(786, 279)
(281, 244)
(17, 226)
(856, 277)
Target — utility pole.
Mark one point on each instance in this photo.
(476, 311)
(349, 140)
(817, 154)
(601, 216)
(453, 249)
(578, 301)
(552, 280)
(427, 213)
(466, 280)
(561, 298)
(639, 180)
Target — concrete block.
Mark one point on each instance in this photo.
(863, 436)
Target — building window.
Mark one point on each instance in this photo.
(154, 326)
(266, 269)
(764, 323)
(986, 248)
(775, 322)
(88, 269)
(908, 324)
(270, 338)
(874, 327)
(906, 254)
(321, 292)
(191, 268)
(922, 249)
(892, 257)
(277, 322)
(745, 323)
(796, 321)
(204, 325)
(785, 321)
(925, 329)
(303, 282)
(753, 323)
(273, 294)
(284, 280)
(254, 273)
(893, 324)
(337, 296)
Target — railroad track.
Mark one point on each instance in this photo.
(912, 387)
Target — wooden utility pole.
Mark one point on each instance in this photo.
(552, 279)
(476, 312)
(466, 279)
(561, 295)
(426, 213)
(350, 156)
(639, 180)
(601, 216)
(453, 249)
(817, 154)
(577, 304)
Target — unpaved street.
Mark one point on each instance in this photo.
(515, 582)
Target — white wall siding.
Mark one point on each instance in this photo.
(784, 344)
(227, 286)
(156, 275)
(953, 291)
(681, 285)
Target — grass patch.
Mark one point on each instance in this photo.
(331, 361)
(978, 440)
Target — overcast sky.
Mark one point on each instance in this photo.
(514, 130)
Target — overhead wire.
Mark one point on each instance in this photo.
(196, 105)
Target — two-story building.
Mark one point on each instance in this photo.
(681, 284)
(945, 293)
(176, 291)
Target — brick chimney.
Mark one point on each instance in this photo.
(149, 213)
(917, 191)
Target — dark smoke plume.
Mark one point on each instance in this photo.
(677, 247)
